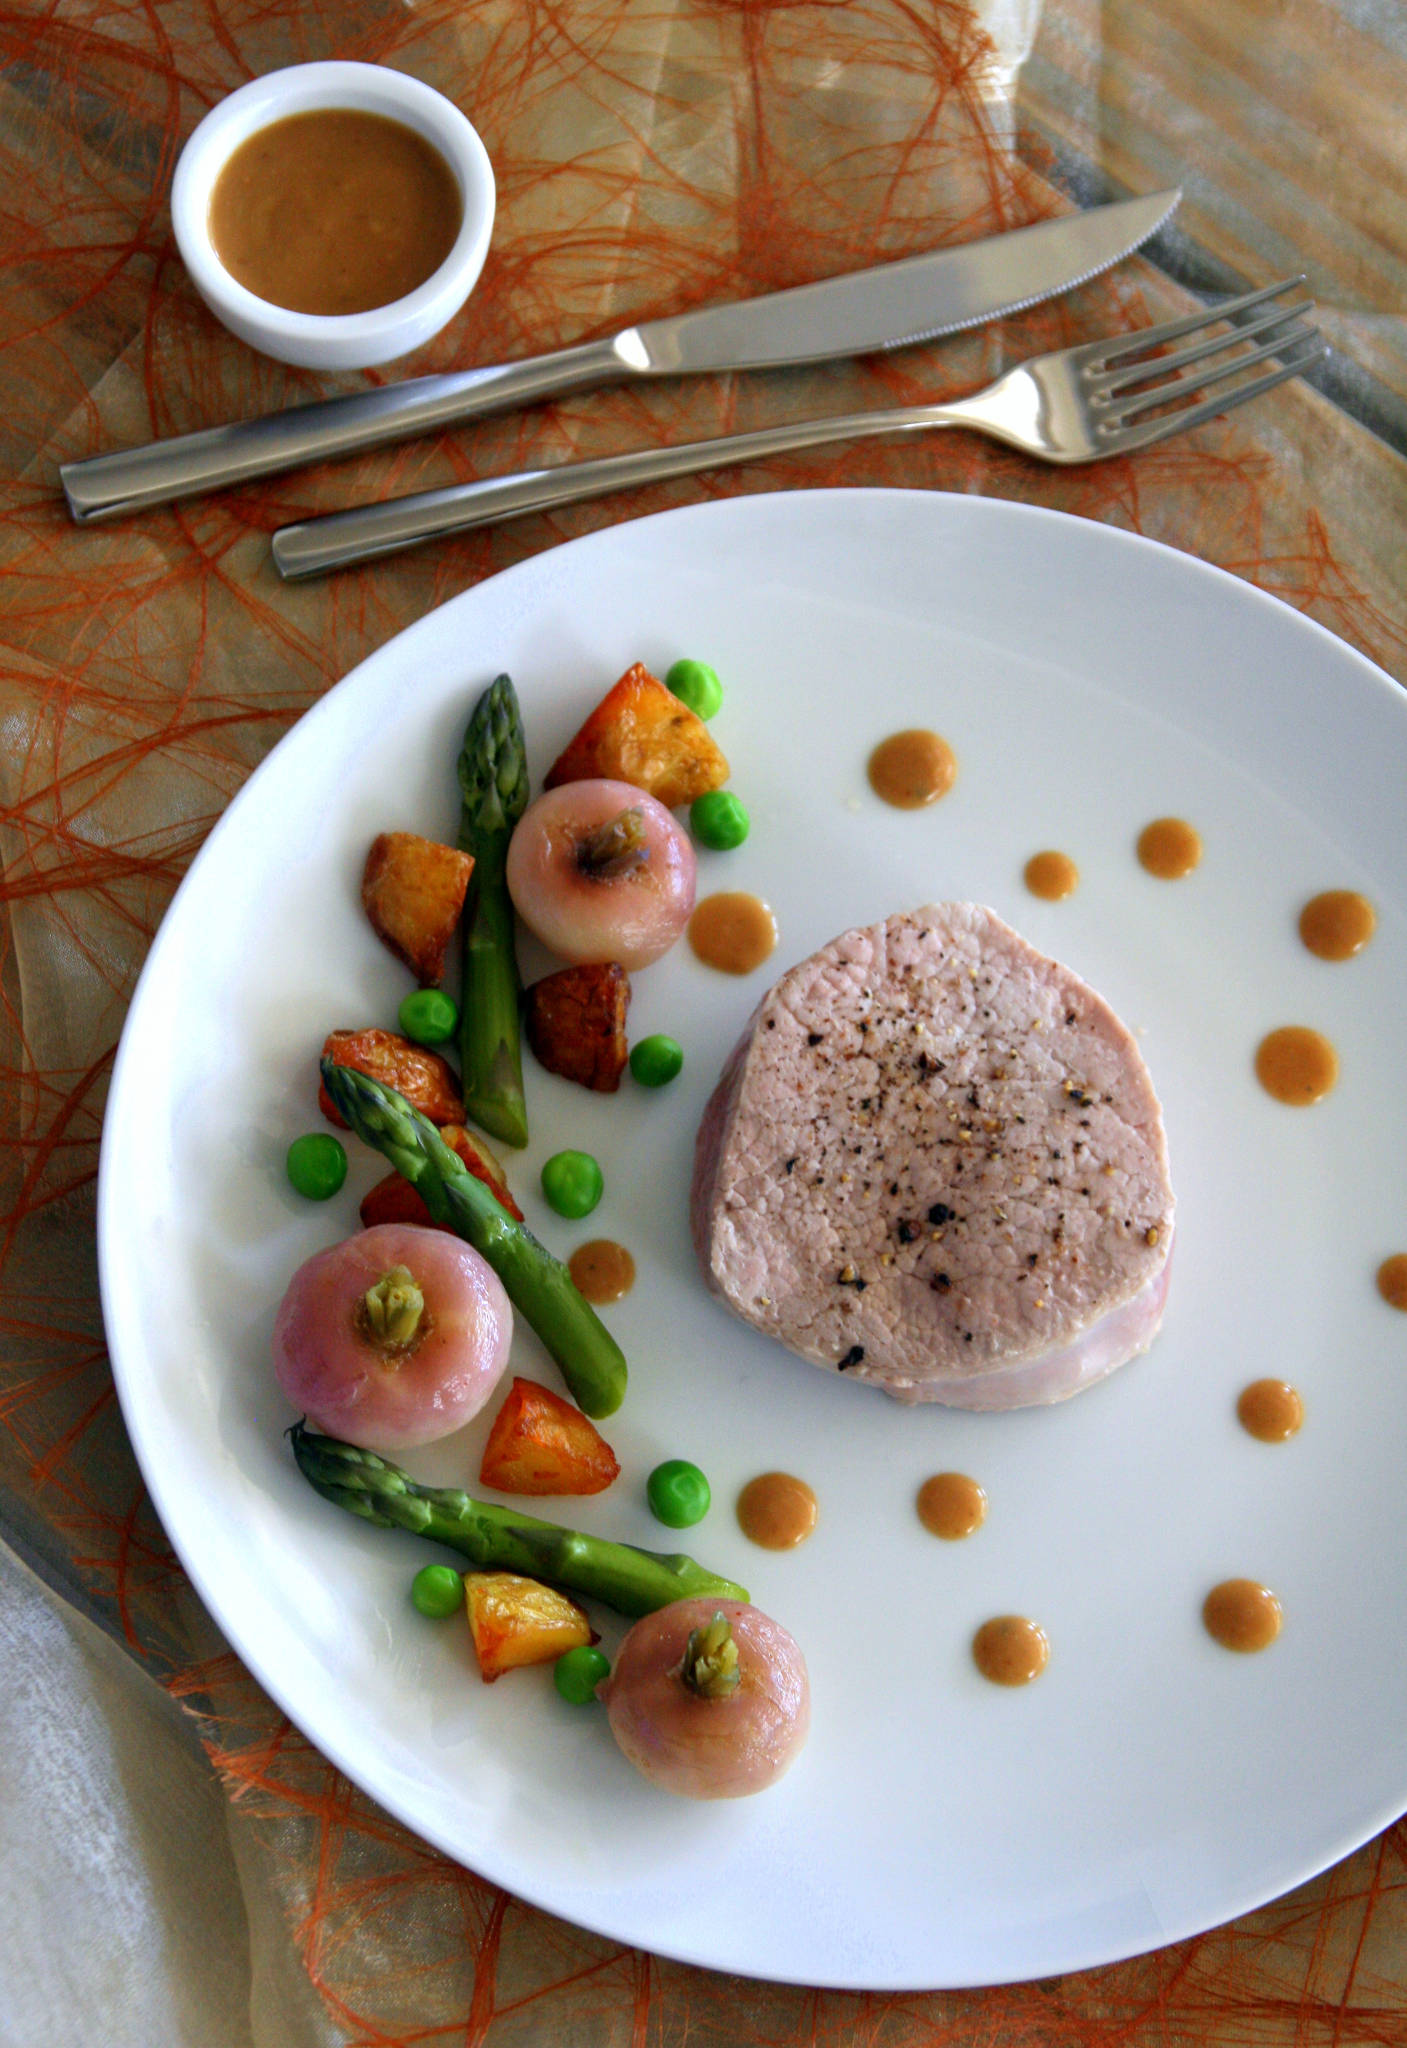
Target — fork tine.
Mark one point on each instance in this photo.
(1108, 353)
(1118, 439)
(1161, 366)
(1163, 394)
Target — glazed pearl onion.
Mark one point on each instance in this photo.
(394, 1337)
(709, 1699)
(600, 871)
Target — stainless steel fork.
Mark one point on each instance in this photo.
(1077, 405)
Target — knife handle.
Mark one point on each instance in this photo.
(134, 478)
(313, 546)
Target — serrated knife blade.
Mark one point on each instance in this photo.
(888, 306)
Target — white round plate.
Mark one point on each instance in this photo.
(937, 1830)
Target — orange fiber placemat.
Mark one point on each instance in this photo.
(651, 154)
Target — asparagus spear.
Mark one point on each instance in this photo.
(496, 1538)
(539, 1286)
(493, 782)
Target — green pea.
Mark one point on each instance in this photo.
(694, 683)
(719, 820)
(428, 1016)
(578, 1672)
(316, 1165)
(678, 1494)
(437, 1590)
(656, 1060)
(572, 1182)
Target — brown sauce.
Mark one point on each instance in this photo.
(602, 1270)
(1337, 924)
(1296, 1065)
(777, 1510)
(1169, 848)
(1242, 1615)
(1392, 1280)
(1270, 1410)
(912, 769)
(1009, 1650)
(951, 1505)
(733, 931)
(334, 212)
(1052, 876)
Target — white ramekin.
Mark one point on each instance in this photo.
(346, 341)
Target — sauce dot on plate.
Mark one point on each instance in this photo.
(1169, 848)
(1296, 1065)
(1337, 924)
(1009, 1650)
(1270, 1410)
(1051, 875)
(777, 1510)
(733, 931)
(602, 1270)
(912, 769)
(951, 1505)
(1392, 1280)
(1242, 1615)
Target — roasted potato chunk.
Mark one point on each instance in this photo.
(413, 891)
(640, 733)
(394, 1200)
(541, 1444)
(427, 1081)
(575, 1022)
(516, 1621)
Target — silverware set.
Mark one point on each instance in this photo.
(1076, 405)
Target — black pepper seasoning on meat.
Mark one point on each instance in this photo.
(882, 1068)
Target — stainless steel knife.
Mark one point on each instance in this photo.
(865, 311)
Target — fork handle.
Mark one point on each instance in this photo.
(313, 546)
(134, 478)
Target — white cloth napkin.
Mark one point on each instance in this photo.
(122, 1919)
